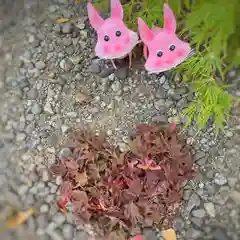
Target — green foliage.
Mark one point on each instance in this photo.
(213, 29)
(211, 100)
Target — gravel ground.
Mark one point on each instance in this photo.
(50, 82)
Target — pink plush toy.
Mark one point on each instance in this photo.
(115, 40)
(165, 49)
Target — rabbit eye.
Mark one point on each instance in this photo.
(172, 47)
(159, 53)
(106, 38)
(118, 33)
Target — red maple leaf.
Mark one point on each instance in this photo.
(148, 164)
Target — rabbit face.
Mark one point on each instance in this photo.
(166, 50)
(115, 40)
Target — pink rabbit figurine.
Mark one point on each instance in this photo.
(115, 40)
(165, 49)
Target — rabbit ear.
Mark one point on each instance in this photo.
(116, 9)
(145, 32)
(170, 24)
(95, 19)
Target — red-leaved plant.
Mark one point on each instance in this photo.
(120, 190)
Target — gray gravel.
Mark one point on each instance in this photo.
(50, 82)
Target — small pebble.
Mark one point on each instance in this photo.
(32, 94)
(22, 190)
(105, 72)
(58, 180)
(40, 65)
(65, 152)
(116, 86)
(199, 213)
(45, 176)
(67, 27)
(36, 108)
(210, 209)
(59, 218)
(66, 65)
(65, 128)
(67, 231)
(44, 208)
(219, 179)
(81, 26)
(20, 137)
(95, 67)
(122, 73)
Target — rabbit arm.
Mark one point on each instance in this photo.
(114, 66)
(145, 51)
(130, 59)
